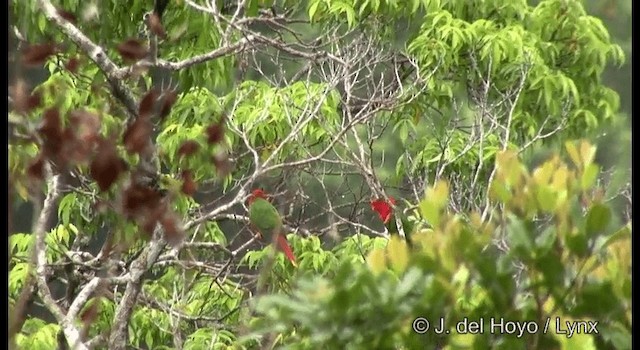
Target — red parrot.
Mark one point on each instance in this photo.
(384, 210)
(264, 217)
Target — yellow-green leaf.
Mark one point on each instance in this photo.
(589, 176)
(398, 254)
(547, 198)
(376, 261)
(500, 192)
(573, 153)
(587, 152)
(430, 212)
(439, 194)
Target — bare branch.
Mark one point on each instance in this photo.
(50, 204)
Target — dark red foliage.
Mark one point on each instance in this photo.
(86, 125)
(72, 150)
(148, 103)
(106, 166)
(150, 220)
(23, 102)
(51, 122)
(36, 168)
(170, 98)
(132, 49)
(155, 25)
(222, 163)
(66, 15)
(189, 187)
(215, 132)
(137, 136)
(173, 232)
(141, 200)
(145, 204)
(383, 208)
(37, 54)
(33, 101)
(51, 132)
(88, 315)
(81, 135)
(72, 64)
(188, 148)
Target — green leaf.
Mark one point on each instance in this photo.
(589, 176)
(42, 23)
(598, 218)
(578, 243)
(547, 198)
(408, 283)
(615, 334)
(519, 236)
(66, 206)
(546, 240)
(252, 8)
(622, 233)
(313, 8)
(148, 338)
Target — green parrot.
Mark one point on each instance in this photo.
(266, 220)
(386, 213)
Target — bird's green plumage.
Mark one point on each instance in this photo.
(407, 227)
(265, 217)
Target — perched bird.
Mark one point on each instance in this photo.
(386, 213)
(266, 220)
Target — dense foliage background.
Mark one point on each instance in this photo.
(500, 130)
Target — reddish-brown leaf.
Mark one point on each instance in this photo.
(72, 64)
(215, 132)
(51, 122)
(155, 25)
(88, 315)
(133, 50)
(188, 148)
(72, 149)
(106, 166)
(34, 101)
(173, 232)
(148, 225)
(80, 136)
(51, 131)
(222, 163)
(170, 98)
(150, 217)
(148, 103)
(36, 168)
(137, 137)
(22, 101)
(139, 199)
(189, 187)
(86, 125)
(37, 54)
(66, 15)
